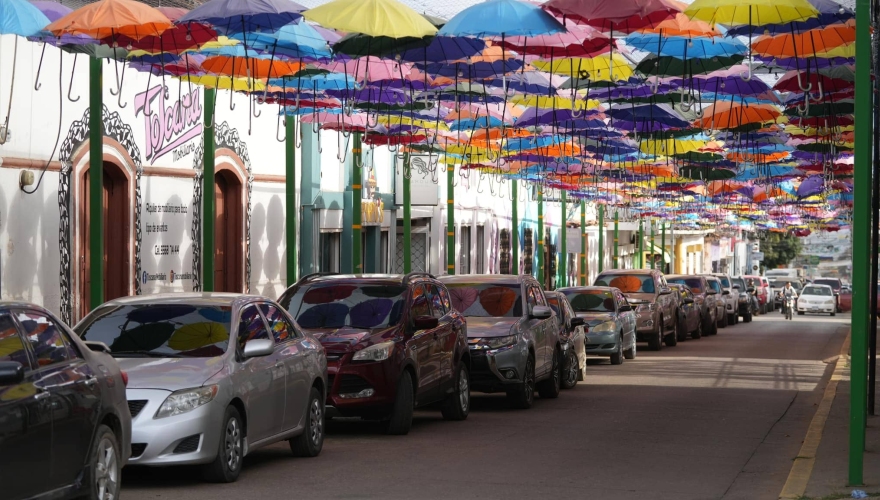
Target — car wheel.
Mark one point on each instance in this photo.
(731, 319)
(571, 370)
(400, 421)
(747, 317)
(617, 357)
(523, 395)
(834, 314)
(707, 326)
(800, 313)
(681, 329)
(656, 343)
(457, 405)
(631, 352)
(309, 443)
(227, 465)
(671, 340)
(723, 321)
(697, 333)
(106, 468)
(549, 387)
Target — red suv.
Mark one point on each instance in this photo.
(393, 343)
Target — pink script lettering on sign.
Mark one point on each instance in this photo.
(168, 127)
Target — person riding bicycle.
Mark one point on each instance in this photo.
(787, 292)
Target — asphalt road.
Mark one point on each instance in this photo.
(719, 417)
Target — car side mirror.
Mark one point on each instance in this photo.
(425, 322)
(575, 322)
(665, 290)
(688, 300)
(11, 372)
(541, 312)
(97, 346)
(711, 292)
(736, 287)
(626, 308)
(258, 348)
(725, 292)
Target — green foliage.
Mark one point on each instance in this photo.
(779, 248)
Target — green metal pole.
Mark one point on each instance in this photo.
(861, 245)
(514, 228)
(663, 247)
(96, 183)
(450, 220)
(539, 257)
(563, 247)
(583, 259)
(208, 195)
(616, 242)
(357, 162)
(407, 217)
(290, 187)
(653, 245)
(641, 244)
(601, 238)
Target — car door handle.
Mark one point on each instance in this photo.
(43, 394)
(90, 381)
(279, 365)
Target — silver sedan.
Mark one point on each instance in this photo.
(213, 377)
(610, 320)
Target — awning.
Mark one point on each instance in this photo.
(655, 249)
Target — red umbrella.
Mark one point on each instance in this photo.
(174, 40)
(622, 16)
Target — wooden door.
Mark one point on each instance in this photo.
(228, 241)
(220, 226)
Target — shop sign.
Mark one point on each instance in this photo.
(423, 173)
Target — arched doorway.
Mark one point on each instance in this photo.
(228, 238)
(116, 214)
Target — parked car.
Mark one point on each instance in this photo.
(817, 298)
(213, 377)
(393, 343)
(836, 287)
(704, 298)
(611, 321)
(720, 302)
(731, 299)
(65, 427)
(572, 339)
(512, 334)
(656, 313)
(744, 301)
(762, 291)
(690, 321)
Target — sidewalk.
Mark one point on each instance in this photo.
(830, 472)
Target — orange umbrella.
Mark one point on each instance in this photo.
(259, 69)
(682, 25)
(807, 43)
(727, 114)
(110, 18)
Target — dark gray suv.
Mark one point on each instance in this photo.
(513, 335)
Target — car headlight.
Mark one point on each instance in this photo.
(378, 352)
(498, 342)
(647, 307)
(605, 327)
(186, 400)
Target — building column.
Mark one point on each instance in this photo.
(290, 210)
(310, 186)
(96, 183)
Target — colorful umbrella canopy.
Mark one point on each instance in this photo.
(111, 19)
(18, 17)
(386, 18)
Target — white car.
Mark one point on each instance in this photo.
(817, 299)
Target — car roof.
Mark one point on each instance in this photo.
(675, 276)
(502, 279)
(189, 298)
(585, 288)
(818, 285)
(631, 271)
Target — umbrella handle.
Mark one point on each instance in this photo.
(802, 111)
(574, 112)
(255, 102)
(370, 123)
(746, 76)
(70, 87)
(37, 84)
(821, 93)
(281, 113)
(119, 82)
(809, 86)
(299, 136)
(318, 133)
(231, 104)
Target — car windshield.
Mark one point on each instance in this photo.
(714, 285)
(486, 300)
(160, 330)
(834, 284)
(740, 282)
(817, 290)
(338, 305)
(724, 281)
(695, 284)
(591, 300)
(628, 283)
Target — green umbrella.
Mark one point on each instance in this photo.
(653, 65)
(706, 173)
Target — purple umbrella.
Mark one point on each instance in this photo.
(811, 186)
(245, 16)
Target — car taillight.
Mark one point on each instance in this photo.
(124, 378)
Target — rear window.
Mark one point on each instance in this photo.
(486, 300)
(160, 330)
(833, 283)
(338, 305)
(628, 283)
(695, 284)
(591, 300)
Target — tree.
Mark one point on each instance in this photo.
(779, 248)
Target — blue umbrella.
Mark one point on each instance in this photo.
(18, 17)
(245, 16)
(294, 40)
(501, 18)
(681, 47)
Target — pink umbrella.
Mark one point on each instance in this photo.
(369, 69)
(578, 41)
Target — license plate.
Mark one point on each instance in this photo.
(814, 308)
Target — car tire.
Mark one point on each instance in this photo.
(457, 405)
(723, 322)
(311, 441)
(732, 319)
(681, 330)
(571, 370)
(400, 421)
(631, 352)
(747, 317)
(706, 327)
(523, 396)
(834, 314)
(697, 333)
(230, 455)
(106, 465)
(671, 340)
(617, 357)
(714, 328)
(549, 387)
(800, 313)
(656, 343)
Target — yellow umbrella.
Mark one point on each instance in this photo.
(387, 18)
(599, 68)
(534, 101)
(225, 82)
(392, 120)
(751, 12)
(196, 335)
(670, 146)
